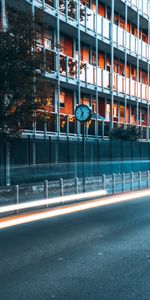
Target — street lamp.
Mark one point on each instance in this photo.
(83, 113)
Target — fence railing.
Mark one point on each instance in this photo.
(113, 184)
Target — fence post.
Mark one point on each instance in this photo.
(113, 183)
(148, 179)
(139, 173)
(103, 181)
(8, 173)
(17, 196)
(61, 186)
(132, 181)
(123, 182)
(45, 189)
(76, 185)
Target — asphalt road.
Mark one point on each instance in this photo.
(102, 253)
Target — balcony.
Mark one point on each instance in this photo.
(141, 5)
(47, 125)
(121, 85)
(68, 66)
(121, 38)
(130, 42)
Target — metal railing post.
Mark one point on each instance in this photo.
(45, 189)
(113, 183)
(61, 186)
(132, 181)
(17, 196)
(76, 185)
(139, 174)
(103, 181)
(123, 182)
(148, 178)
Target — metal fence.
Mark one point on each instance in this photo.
(114, 183)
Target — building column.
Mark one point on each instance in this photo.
(79, 50)
(112, 63)
(126, 19)
(137, 69)
(33, 9)
(3, 13)
(148, 70)
(58, 66)
(96, 46)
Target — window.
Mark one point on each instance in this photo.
(116, 19)
(143, 117)
(108, 13)
(115, 66)
(48, 39)
(122, 23)
(115, 111)
(85, 53)
(93, 57)
(108, 64)
(94, 106)
(62, 99)
(49, 2)
(107, 112)
(85, 3)
(122, 110)
(85, 99)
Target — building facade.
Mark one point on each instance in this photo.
(98, 53)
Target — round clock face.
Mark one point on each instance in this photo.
(83, 113)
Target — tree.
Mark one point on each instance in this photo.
(131, 133)
(23, 87)
(72, 9)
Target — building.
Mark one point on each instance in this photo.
(110, 42)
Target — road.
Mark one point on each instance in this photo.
(102, 253)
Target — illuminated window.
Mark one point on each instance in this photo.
(122, 110)
(62, 99)
(115, 111)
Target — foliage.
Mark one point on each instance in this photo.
(131, 133)
(23, 88)
(72, 9)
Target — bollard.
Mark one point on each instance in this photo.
(76, 185)
(17, 196)
(132, 174)
(139, 173)
(123, 182)
(103, 181)
(61, 186)
(148, 173)
(113, 183)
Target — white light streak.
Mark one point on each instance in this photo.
(72, 209)
(55, 200)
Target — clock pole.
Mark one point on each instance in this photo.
(83, 114)
(83, 155)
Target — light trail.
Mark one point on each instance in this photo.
(56, 200)
(72, 209)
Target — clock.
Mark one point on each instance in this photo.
(83, 113)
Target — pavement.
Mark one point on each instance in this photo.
(101, 253)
